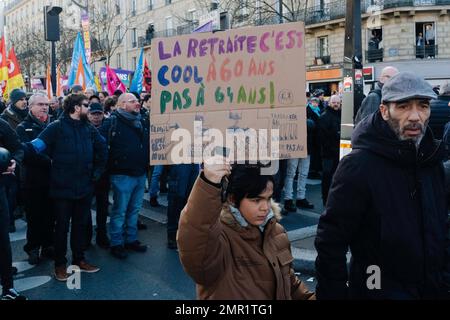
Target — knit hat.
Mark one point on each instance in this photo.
(16, 95)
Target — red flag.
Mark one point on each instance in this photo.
(147, 78)
(113, 82)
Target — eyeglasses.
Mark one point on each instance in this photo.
(132, 101)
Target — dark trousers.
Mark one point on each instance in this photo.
(77, 210)
(11, 183)
(279, 178)
(181, 180)
(40, 219)
(5, 245)
(101, 194)
(329, 166)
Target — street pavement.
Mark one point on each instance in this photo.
(156, 274)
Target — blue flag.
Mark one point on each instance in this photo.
(138, 78)
(80, 71)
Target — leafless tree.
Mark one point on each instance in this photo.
(268, 11)
(108, 27)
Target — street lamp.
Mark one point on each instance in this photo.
(51, 26)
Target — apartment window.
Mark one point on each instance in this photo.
(168, 2)
(374, 45)
(134, 63)
(425, 40)
(150, 5)
(169, 27)
(117, 5)
(322, 47)
(133, 7)
(118, 35)
(133, 38)
(190, 15)
(119, 60)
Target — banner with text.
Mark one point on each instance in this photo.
(247, 82)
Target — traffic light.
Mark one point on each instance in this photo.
(51, 23)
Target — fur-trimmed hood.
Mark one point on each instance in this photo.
(227, 217)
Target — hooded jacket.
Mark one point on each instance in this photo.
(228, 261)
(370, 104)
(387, 204)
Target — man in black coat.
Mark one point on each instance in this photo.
(38, 208)
(127, 135)
(387, 204)
(330, 135)
(10, 142)
(440, 112)
(78, 154)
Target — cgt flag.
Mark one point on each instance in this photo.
(15, 78)
(80, 71)
(113, 82)
(3, 66)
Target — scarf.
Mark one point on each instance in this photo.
(134, 119)
(243, 223)
(315, 109)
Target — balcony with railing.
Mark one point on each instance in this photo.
(374, 55)
(144, 42)
(426, 51)
(336, 9)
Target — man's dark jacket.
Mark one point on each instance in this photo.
(128, 145)
(330, 132)
(10, 141)
(78, 154)
(370, 104)
(387, 204)
(440, 115)
(37, 165)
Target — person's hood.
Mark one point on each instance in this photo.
(375, 135)
(227, 217)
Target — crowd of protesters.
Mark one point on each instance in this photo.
(69, 154)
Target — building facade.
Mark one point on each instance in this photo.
(408, 34)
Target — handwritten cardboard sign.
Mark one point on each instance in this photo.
(249, 78)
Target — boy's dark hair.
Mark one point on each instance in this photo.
(72, 100)
(246, 182)
(105, 93)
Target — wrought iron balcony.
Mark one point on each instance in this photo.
(426, 51)
(374, 55)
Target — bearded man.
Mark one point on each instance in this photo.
(387, 204)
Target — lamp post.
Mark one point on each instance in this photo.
(51, 23)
